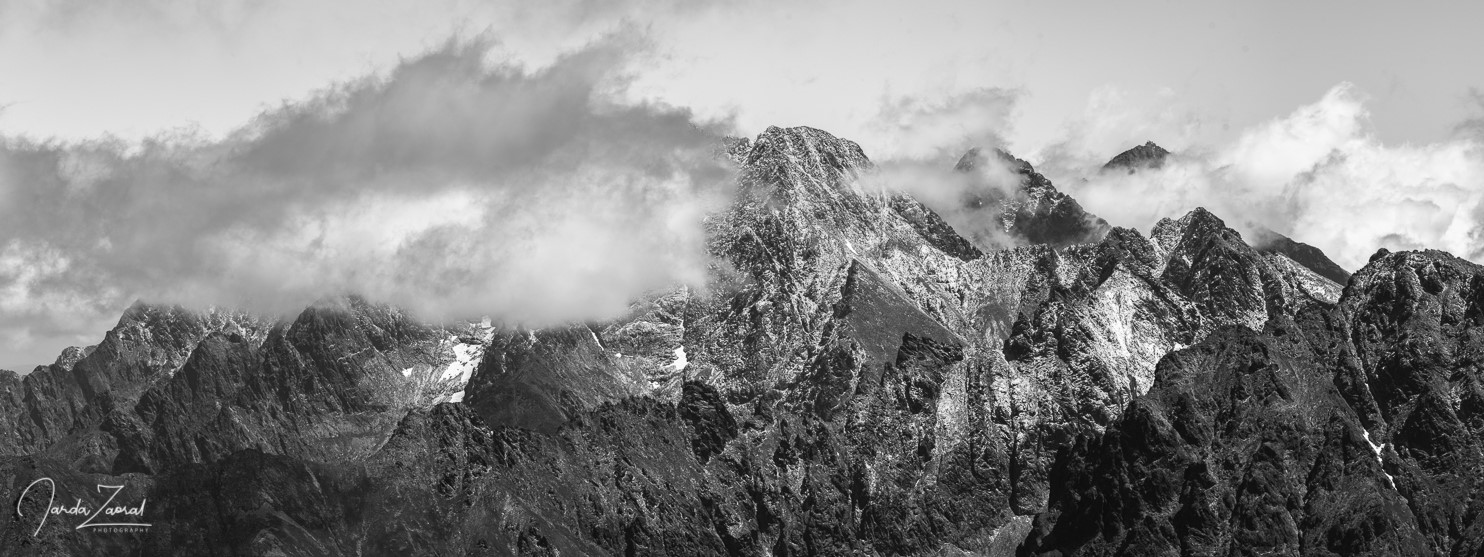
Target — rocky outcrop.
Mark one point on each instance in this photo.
(1310, 257)
(1138, 158)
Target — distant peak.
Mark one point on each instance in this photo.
(798, 134)
(975, 158)
(1147, 155)
(1267, 240)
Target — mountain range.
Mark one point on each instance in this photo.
(856, 378)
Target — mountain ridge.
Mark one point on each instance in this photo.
(856, 378)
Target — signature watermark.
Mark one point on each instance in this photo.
(110, 517)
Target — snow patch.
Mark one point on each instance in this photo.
(466, 358)
(1377, 449)
(680, 359)
(408, 372)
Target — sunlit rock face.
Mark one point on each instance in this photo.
(1344, 429)
(853, 377)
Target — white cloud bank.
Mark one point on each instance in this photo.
(449, 185)
(1318, 175)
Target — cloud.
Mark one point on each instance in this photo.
(933, 127)
(917, 143)
(1473, 126)
(968, 199)
(441, 181)
(131, 68)
(1115, 119)
(449, 185)
(903, 83)
(1319, 175)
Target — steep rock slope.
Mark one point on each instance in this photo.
(1097, 320)
(1343, 431)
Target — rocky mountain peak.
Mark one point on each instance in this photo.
(1034, 210)
(71, 355)
(976, 158)
(1147, 155)
(808, 148)
(806, 173)
(1210, 264)
(1268, 241)
(1198, 224)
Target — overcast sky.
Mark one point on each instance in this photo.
(122, 119)
(76, 69)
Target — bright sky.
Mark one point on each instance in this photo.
(73, 69)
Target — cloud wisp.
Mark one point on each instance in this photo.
(448, 185)
(968, 199)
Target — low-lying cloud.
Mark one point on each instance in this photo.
(916, 144)
(947, 125)
(968, 199)
(449, 185)
(1318, 175)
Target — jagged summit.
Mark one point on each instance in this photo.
(799, 188)
(975, 158)
(807, 146)
(799, 165)
(1306, 266)
(1035, 211)
(1147, 155)
(813, 173)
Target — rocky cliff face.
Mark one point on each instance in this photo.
(1343, 430)
(856, 378)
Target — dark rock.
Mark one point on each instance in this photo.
(1309, 256)
(1140, 157)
